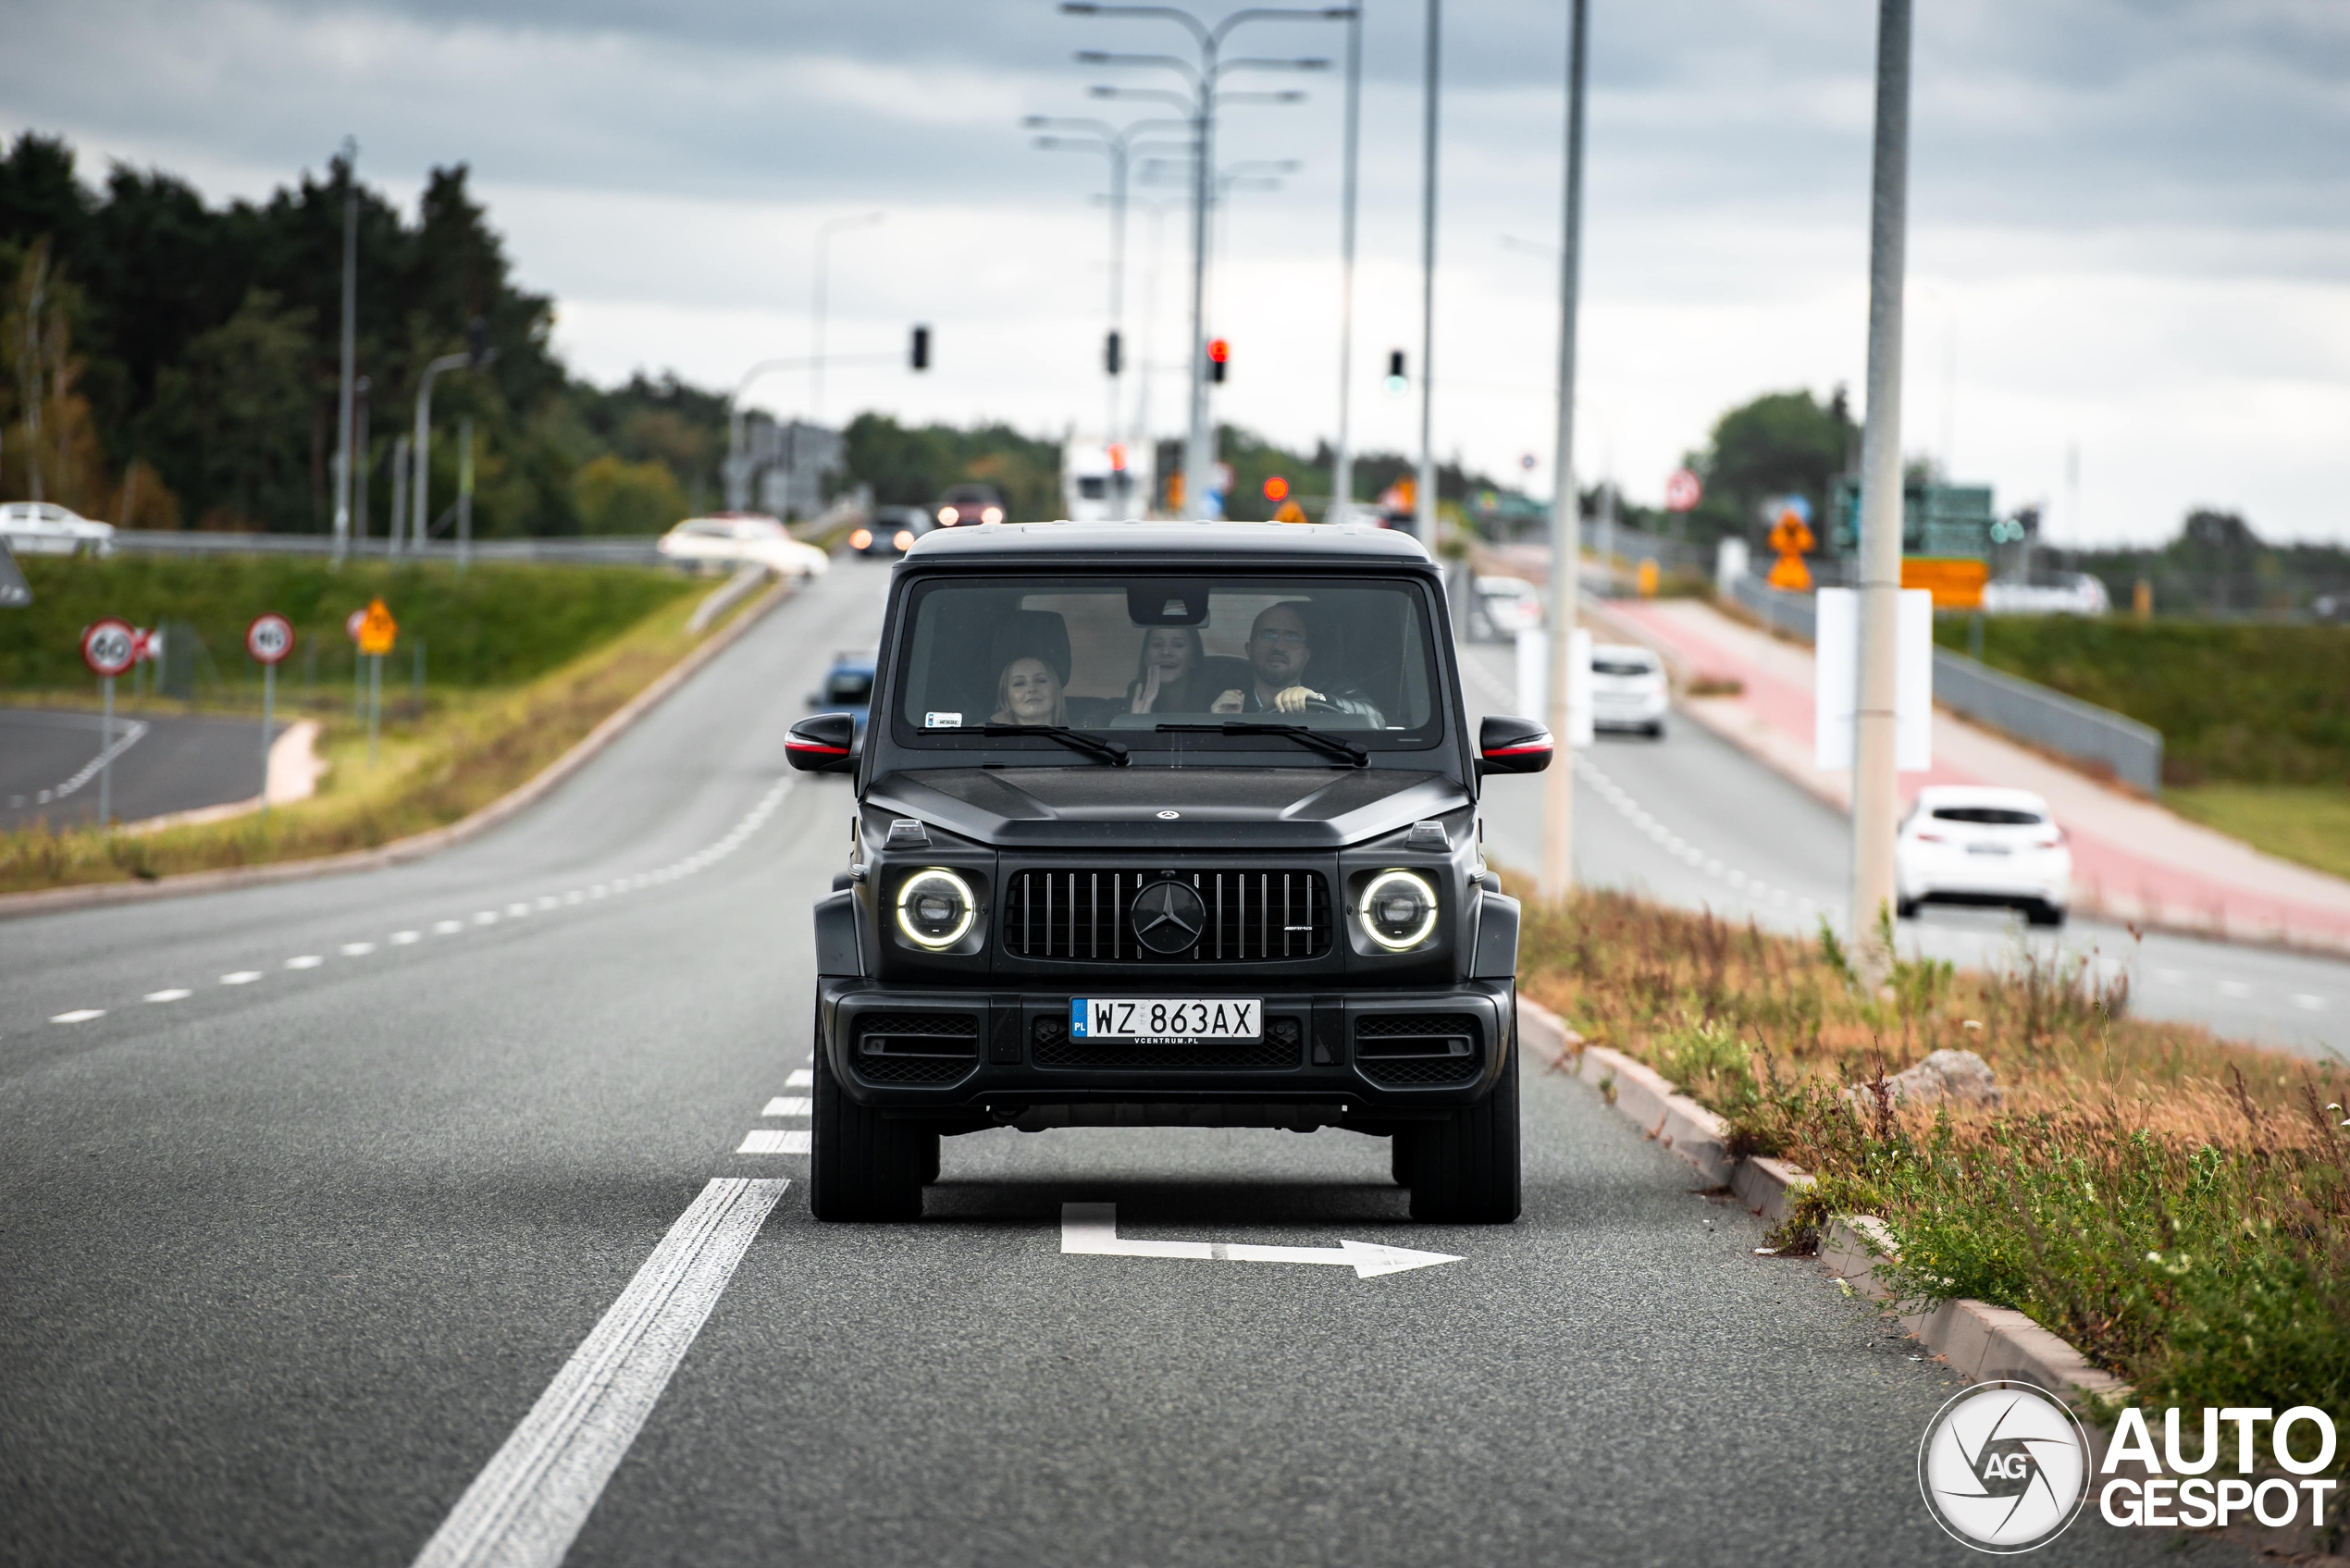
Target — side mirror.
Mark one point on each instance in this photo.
(824, 744)
(1512, 745)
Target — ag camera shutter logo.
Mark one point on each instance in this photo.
(2004, 1467)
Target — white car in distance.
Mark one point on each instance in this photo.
(1503, 608)
(1628, 689)
(738, 539)
(1971, 844)
(43, 527)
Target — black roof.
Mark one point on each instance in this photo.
(1175, 543)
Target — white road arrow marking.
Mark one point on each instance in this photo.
(1091, 1230)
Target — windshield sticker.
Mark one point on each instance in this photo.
(942, 721)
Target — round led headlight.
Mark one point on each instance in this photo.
(936, 907)
(1398, 909)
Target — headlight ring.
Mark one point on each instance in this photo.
(936, 909)
(1398, 909)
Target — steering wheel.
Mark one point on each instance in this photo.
(1322, 705)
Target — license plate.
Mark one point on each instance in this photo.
(1987, 848)
(1166, 1019)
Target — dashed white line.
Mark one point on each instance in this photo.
(241, 977)
(171, 994)
(781, 1105)
(446, 928)
(485, 917)
(80, 1014)
(356, 949)
(763, 1141)
(306, 961)
(517, 909)
(2307, 1003)
(2235, 988)
(402, 938)
(800, 1078)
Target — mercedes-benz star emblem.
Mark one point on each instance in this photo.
(1168, 917)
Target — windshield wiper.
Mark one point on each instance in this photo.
(1108, 751)
(1316, 740)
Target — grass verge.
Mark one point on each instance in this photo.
(2175, 1206)
(2306, 823)
(435, 763)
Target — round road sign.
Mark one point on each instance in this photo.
(109, 646)
(1682, 491)
(269, 638)
(352, 621)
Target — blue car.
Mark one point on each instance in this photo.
(848, 686)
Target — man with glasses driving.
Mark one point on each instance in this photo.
(1280, 648)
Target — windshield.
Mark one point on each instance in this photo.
(1986, 816)
(1603, 665)
(1130, 654)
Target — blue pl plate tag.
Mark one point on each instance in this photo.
(1077, 1018)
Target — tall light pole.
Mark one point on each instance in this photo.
(1342, 462)
(1199, 453)
(349, 345)
(423, 444)
(1876, 788)
(825, 233)
(1118, 146)
(1426, 486)
(1567, 520)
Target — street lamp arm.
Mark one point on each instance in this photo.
(1275, 13)
(1271, 65)
(1287, 95)
(1134, 94)
(1163, 13)
(1110, 57)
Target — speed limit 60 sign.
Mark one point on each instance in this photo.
(269, 638)
(109, 646)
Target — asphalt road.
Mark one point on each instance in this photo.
(1694, 821)
(162, 762)
(319, 1204)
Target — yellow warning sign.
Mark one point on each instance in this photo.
(377, 628)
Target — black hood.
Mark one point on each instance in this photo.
(1098, 808)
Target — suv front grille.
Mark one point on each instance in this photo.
(1417, 1050)
(915, 1047)
(1088, 916)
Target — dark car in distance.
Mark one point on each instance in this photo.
(1166, 824)
(892, 531)
(959, 506)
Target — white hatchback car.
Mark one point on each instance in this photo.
(1503, 608)
(1628, 689)
(1966, 844)
(43, 527)
(741, 538)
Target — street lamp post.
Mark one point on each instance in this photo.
(825, 233)
(1199, 453)
(350, 346)
(1427, 486)
(423, 443)
(1566, 521)
(1342, 463)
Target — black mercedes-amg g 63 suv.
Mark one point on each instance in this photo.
(1166, 824)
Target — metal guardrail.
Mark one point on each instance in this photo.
(630, 549)
(2096, 738)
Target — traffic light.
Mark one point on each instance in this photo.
(1112, 361)
(477, 342)
(1218, 353)
(919, 358)
(1395, 381)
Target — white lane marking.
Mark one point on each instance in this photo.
(242, 977)
(599, 891)
(517, 909)
(402, 938)
(2235, 988)
(80, 1014)
(2172, 977)
(780, 1105)
(528, 1503)
(446, 928)
(306, 961)
(173, 994)
(548, 901)
(801, 1078)
(762, 1142)
(356, 949)
(2312, 1003)
(1754, 888)
(130, 738)
(1091, 1230)
(485, 917)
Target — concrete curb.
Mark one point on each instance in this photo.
(1977, 1340)
(57, 900)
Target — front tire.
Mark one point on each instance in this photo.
(2044, 914)
(863, 1166)
(1463, 1169)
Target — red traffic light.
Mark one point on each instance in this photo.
(1218, 351)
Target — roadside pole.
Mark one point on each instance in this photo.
(1342, 463)
(376, 633)
(1566, 521)
(1427, 486)
(464, 492)
(350, 313)
(108, 647)
(1875, 797)
(374, 702)
(269, 638)
(106, 767)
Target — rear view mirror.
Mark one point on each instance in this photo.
(825, 744)
(1512, 745)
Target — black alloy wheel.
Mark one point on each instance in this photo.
(1463, 1169)
(862, 1166)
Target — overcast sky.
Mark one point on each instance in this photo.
(2129, 228)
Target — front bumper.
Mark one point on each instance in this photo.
(1356, 1058)
(1927, 873)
